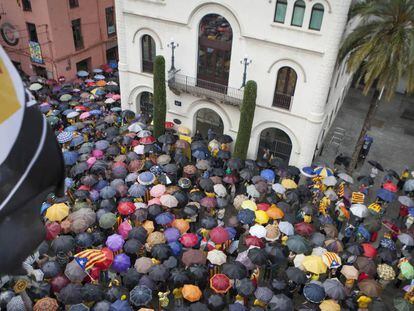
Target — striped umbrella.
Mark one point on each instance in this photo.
(323, 171)
(64, 137)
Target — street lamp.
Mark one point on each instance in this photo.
(173, 45)
(246, 62)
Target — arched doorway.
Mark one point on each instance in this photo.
(214, 52)
(145, 104)
(208, 119)
(277, 142)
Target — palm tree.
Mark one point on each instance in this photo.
(381, 48)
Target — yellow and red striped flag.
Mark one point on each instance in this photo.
(89, 257)
(358, 198)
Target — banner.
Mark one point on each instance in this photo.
(35, 52)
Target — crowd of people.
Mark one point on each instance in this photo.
(175, 222)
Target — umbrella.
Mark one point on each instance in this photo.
(345, 177)
(366, 265)
(334, 289)
(314, 264)
(216, 257)
(114, 242)
(220, 283)
(359, 210)
(296, 275)
(164, 218)
(234, 270)
(71, 294)
(329, 305)
(168, 200)
(323, 171)
(280, 302)
(191, 292)
(245, 287)
(63, 243)
(406, 239)
(140, 295)
(376, 165)
(330, 181)
(179, 277)
(331, 260)
(132, 246)
(385, 195)
(257, 256)
(263, 294)
(409, 185)
(304, 229)
(107, 220)
(194, 256)
(401, 304)
(146, 178)
(57, 212)
(314, 292)
(189, 240)
(407, 270)
(286, 228)
(121, 263)
(370, 287)
(298, 244)
(369, 250)
(143, 264)
(385, 272)
(126, 208)
(406, 201)
(219, 235)
(50, 269)
(46, 304)
(159, 273)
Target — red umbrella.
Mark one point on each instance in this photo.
(126, 208)
(304, 229)
(263, 206)
(81, 108)
(134, 143)
(208, 202)
(119, 163)
(390, 186)
(391, 226)
(104, 265)
(85, 188)
(251, 240)
(147, 140)
(169, 125)
(189, 240)
(52, 230)
(369, 250)
(220, 283)
(230, 179)
(59, 282)
(219, 235)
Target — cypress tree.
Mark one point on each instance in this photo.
(246, 120)
(159, 99)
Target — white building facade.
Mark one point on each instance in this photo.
(293, 46)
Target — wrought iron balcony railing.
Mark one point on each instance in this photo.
(206, 89)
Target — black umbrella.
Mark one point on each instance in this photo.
(235, 164)
(131, 278)
(159, 273)
(355, 249)
(206, 184)
(217, 171)
(387, 255)
(258, 256)
(196, 196)
(215, 302)
(154, 210)
(151, 148)
(71, 294)
(280, 302)
(167, 139)
(63, 243)
(225, 155)
(278, 255)
(79, 169)
(234, 270)
(132, 246)
(99, 167)
(296, 275)
(245, 287)
(366, 180)
(225, 139)
(140, 215)
(84, 240)
(278, 162)
(51, 269)
(138, 233)
(393, 173)
(246, 174)
(181, 159)
(161, 251)
(208, 222)
(198, 273)
(171, 262)
(293, 170)
(115, 292)
(279, 284)
(179, 277)
(198, 144)
(92, 292)
(128, 114)
(190, 210)
(98, 238)
(89, 180)
(170, 168)
(376, 165)
(182, 198)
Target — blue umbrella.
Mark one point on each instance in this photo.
(107, 192)
(232, 232)
(67, 111)
(164, 218)
(386, 195)
(237, 307)
(268, 175)
(69, 182)
(364, 232)
(71, 128)
(137, 190)
(64, 137)
(97, 70)
(102, 144)
(44, 207)
(120, 305)
(99, 77)
(176, 248)
(246, 216)
(70, 157)
(100, 184)
(82, 73)
(140, 295)
(200, 154)
(95, 112)
(308, 171)
(146, 178)
(314, 292)
(388, 243)
(76, 141)
(44, 108)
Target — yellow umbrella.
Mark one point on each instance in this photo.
(289, 184)
(329, 305)
(191, 292)
(261, 217)
(249, 204)
(57, 212)
(184, 130)
(314, 264)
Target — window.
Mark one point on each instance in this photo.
(31, 29)
(27, 5)
(280, 14)
(148, 53)
(298, 13)
(110, 21)
(285, 88)
(316, 17)
(112, 55)
(73, 3)
(84, 65)
(77, 34)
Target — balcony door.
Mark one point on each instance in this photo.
(214, 52)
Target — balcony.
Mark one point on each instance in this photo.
(282, 101)
(211, 91)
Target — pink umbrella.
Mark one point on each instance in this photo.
(189, 240)
(157, 191)
(91, 161)
(98, 153)
(124, 228)
(154, 201)
(84, 115)
(116, 97)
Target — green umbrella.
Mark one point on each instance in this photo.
(107, 220)
(407, 270)
(52, 120)
(400, 304)
(35, 87)
(65, 97)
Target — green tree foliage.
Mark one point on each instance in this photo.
(160, 100)
(246, 120)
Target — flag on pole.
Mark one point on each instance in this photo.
(89, 257)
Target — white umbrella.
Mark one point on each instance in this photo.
(220, 190)
(298, 261)
(330, 181)
(252, 191)
(144, 133)
(345, 177)
(318, 251)
(359, 210)
(407, 201)
(72, 114)
(109, 100)
(406, 239)
(258, 231)
(139, 149)
(278, 188)
(35, 87)
(331, 195)
(135, 127)
(168, 200)
(409, 185)
(286, 228)
(216, 257)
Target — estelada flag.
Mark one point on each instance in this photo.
(31, 167)
(358, 198)
(88, 258)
